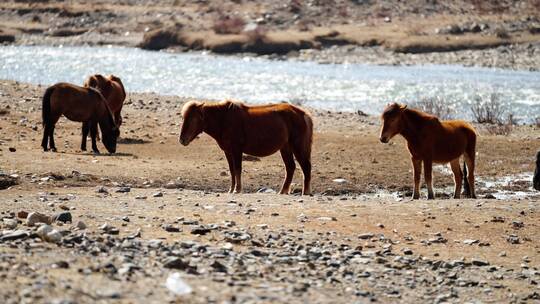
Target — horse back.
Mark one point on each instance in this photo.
(75, 102)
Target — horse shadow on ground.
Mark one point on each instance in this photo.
(132, 141)
(106, 154)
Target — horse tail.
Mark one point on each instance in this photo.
(309, 133)
(46, 106)
(466, 186)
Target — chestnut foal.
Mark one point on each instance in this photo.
(254, 130)
(430, 140)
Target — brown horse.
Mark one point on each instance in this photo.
(254, 130)
(433, 141)
(113, 90)
(78, 104)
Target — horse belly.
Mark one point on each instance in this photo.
(265, 140)
(448, 148)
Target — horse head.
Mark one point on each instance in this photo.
(193, 123)
(109, 129)
(99, 82)
(392, 121)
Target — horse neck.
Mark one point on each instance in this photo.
(213, 119)
(412, 123)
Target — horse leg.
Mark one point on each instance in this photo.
(417, 171)
(51, 138)
(231, 170)
(85, 129)
(118, 118)
(428, 168)
(288, 159)
(469, 160)
(93, 135)
(237, 158)
(45, 139)
(457, 177)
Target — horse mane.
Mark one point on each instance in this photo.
(111, 116)
(188, 106)
(117, 79)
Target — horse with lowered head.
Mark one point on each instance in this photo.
(112, 88)
(429, 141)
(254, 130)
(80, 104)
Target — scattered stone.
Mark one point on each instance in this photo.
(12, 235)
(10, 223)
(201, 230)
(176, 285)
(171, 228)
(470, 242)
(36, 217)
(81, 225)
(158, 194)
(22, 214)
(366, 236)
(478, 262)
(102, 189)
(108, 229)
(175, 263)
(63, 217)
(123, 190)
(513, 239)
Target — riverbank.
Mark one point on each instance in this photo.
(156, 207)
(501, 35)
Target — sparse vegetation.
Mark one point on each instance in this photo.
(435, 106)
(488, 110)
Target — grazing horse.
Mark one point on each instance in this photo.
(254, 130)
(78, 104)
(536, 178)
(113, 90)
(430, 140)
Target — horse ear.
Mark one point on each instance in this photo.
(402, 107)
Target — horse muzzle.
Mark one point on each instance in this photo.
(383, 139)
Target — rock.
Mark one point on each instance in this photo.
(175, 263)
(171, 228)
(470, 242)
(47, 233)
(365, 236)
(339, 180)
(478, 262)
(201, 230)
(10, 223)
(63, 217)
(326, 218)
(14, 235)
(102, 189)
(6, 38)
(158, 194)
(22, 214)
(513, 239)
(81, 225)
(11, 149)
(517, 224)
(36, 217)
(176, 285)
(108, 229)
(407, 251)
(60, 264)
(123, 190)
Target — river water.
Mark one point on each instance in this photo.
(339, 87)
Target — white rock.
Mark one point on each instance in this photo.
(176, 285)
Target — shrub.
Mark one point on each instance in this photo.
(435, 106)
(489, 110)
(229, 25)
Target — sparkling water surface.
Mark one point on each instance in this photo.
(339, 87)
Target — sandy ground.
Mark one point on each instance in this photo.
(376, 244)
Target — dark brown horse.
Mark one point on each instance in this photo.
(78, 104)
(254, 130)
(113, 90)
(536, 177)
(433, 141)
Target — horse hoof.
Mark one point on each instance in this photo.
(53, 149)
(96, 152)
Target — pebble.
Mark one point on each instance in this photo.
(36, 217)
(63, 217)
